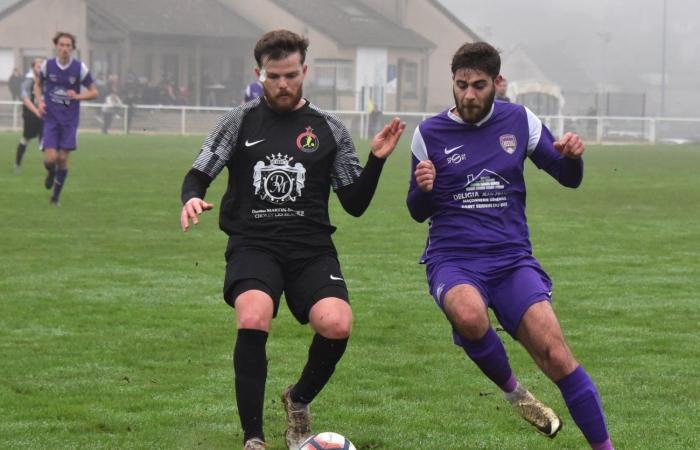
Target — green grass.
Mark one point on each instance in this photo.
(113, 334)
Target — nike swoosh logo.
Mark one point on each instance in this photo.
(250, 144)
(336, 278)
(447, 152)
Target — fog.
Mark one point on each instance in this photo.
(613, 46)
(601, 57)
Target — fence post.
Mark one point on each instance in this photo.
(183, 121)
(363, 134)
(599, 130)
(652, 130)
(560, 125)
(125, 117)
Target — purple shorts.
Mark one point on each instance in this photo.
(60, 136)
(508, 289)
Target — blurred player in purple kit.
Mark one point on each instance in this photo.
(30, 113)
(58, 89)
(253, 90)
(468, 180)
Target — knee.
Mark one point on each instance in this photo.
(336, 327)
(253, 321)
(470, 327)
(466, 311)
(333, 323)
(254, 311)
(557, 360)
(470, 323)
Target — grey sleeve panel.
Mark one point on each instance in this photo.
(220, 144)
(346, 166)
(27, 88)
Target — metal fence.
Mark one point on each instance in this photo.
(157, 119)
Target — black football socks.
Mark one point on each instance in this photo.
(324, 354)
(250, 369)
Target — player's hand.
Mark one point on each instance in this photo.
(191, 210)
(570, 146)
(71, 94)
(385, 141)
(42, 109)
(425, 175)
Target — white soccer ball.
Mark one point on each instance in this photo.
(327, 440)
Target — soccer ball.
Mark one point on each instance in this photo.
(327, 440)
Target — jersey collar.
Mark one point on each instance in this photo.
(458, 119)
(62, 67)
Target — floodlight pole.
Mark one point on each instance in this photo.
(662, 108)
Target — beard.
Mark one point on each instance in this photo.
(283, 102)
(474, 113)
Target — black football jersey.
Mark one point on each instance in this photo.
(281, 169)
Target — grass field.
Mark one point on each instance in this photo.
(113, 334)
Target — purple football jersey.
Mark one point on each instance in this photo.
(56, 81)
(477, 205)
(253, 90)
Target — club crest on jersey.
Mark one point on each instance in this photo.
(72, 80)
(508, 143)
(278, 181)
(307, 141)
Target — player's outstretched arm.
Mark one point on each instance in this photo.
(191, 211)
(194, 188)
(356, 197)
(39, 96)
(570, 146)
(89, 94)
(419, 199)
(385, 141)
(425, 175)
(27, 86)
(562, 159)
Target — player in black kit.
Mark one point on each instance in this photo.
(30, 113)
(284, 155)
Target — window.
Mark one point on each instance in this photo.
(148, 66)
(409, 79)
(334, 74)
(7, 63)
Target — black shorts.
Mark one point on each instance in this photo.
(32, 126)
(304, 280)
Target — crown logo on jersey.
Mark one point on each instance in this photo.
(278, 182)
(279, 159)
(307, 141)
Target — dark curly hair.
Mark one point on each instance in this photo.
(279, 44)
(61, 34)
(477, 56)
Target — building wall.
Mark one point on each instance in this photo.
(268, 16)
(424, 18)
(448, 37)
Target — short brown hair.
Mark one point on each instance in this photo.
(278, 44)
(479, 56)
(61, 34)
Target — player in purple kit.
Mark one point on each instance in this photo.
(58, 89)
(468, 180)
(253, 90)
